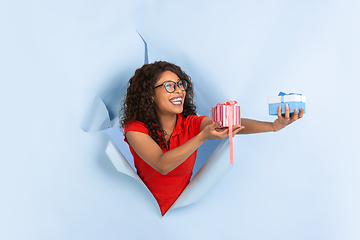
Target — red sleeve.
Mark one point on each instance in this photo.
(136, 126)
(194, 122)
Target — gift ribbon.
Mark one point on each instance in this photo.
(231, 121)
(231, 104)
(282, 94)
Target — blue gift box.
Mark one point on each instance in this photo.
(294, 100)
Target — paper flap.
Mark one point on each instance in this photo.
(119, 161)
(97, 117)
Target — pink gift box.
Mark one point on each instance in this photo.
(221, 112)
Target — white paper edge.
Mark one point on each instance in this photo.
(287, 98)
(96, 118)
(120, 162)
(210, 173)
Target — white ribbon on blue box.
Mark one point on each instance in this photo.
(294, 100)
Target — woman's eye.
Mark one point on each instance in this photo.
(168, 85)
(183, 84)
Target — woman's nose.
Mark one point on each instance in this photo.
(177, 89)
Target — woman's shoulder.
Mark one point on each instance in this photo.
(193, 122)
(192, 118)
(136, 126)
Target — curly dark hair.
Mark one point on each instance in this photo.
(138, 104)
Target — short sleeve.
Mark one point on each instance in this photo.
(194, 122)
(136, 126)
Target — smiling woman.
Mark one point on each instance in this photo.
(169, 102)
(163, 131)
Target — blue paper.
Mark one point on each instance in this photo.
(208, 171)
(273, 108)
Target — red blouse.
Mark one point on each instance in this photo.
(167, 188)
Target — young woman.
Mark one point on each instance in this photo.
(163, 131)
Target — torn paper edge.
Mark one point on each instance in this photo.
(210, 173)
(120, 162)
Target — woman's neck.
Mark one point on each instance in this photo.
(168, 123)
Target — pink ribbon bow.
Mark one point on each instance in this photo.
(231, 102)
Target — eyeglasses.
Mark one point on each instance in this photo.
(170, 86)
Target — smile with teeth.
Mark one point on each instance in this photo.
(176, 101)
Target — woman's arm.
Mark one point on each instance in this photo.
(253, 126)
(151, 153)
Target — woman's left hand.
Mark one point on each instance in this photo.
(282, 122)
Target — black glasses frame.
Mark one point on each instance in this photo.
(184, 82)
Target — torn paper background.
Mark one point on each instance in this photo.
(300, 183)
(211, 170)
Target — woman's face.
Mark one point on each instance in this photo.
(168, 103)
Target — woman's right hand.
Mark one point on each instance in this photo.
(212, 131)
